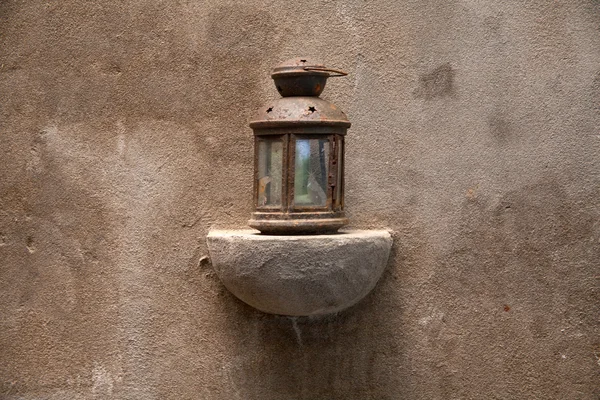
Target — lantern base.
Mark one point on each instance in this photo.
(297, 224)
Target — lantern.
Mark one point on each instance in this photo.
(299, 154)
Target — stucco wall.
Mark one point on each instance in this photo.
(124, 139)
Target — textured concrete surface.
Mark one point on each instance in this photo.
(299, 275)
(124, 140)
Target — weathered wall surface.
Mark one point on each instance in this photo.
(124, 139)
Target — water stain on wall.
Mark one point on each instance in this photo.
(501, 128)
(437, 83)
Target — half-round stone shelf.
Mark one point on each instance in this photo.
(299, 275)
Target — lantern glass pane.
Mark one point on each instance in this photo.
(311, 172)
(270, 166)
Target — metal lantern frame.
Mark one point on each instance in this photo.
(288, 121)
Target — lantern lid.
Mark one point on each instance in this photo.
(299, 66)
(299, 110)
(302, 77)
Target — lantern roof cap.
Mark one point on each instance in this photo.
(299, 66)
(302, 76)
(299, 110)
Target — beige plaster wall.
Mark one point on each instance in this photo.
(124, 139)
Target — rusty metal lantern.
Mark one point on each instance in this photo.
(299, 153)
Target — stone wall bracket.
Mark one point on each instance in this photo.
(299, 275)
